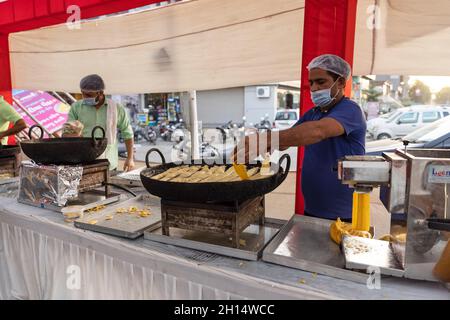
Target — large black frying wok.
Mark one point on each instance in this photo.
(210, 191)
(8, 151)
(64, 151)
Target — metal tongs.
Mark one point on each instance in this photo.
(241, 170)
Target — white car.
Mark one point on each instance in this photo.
(434, 135)
(404, 121)
(286, 118)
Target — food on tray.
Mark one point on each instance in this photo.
(200, 174)
(397, 238)
(92, 221)
(144, 213)
(133, 210)
(96, 208)
(109, 217)
(338, 229)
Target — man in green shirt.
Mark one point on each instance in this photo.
(9, 115)
(95, 110)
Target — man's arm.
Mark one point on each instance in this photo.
(310, 132)
(129, 163)
(124, 125)
(18, 127)
(307, 133)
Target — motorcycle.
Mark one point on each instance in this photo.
(165, 132)
(139, 133)
(264, 124)
(182, 151)
(150, 134)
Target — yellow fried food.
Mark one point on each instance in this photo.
(338, 229)
(121, 210)
(109, 217)
(145, 213)
(97, 208)
(132, 209)
(168, 172)
(92, 221)
(391, 238)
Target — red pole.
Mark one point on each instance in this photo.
(5, 69)
(5, 76)
(329, 27)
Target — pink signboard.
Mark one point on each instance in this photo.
(47, 110)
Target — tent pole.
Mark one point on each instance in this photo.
(5, 69)
(329, 27)
(195, 149)
(5, 77)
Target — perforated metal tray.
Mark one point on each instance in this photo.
(304, 243)
(253, 240)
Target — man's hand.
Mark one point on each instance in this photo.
(251, 147)
(72, 129)
(128, 165)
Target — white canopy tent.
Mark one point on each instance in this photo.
(193, 45)
(189, 45)
(411, 37)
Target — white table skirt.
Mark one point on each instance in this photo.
(37, 249)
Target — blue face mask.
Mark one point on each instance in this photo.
(90, 101)
(322, 98)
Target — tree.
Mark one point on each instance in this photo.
(443, 96)
(372, 94)
(420, 93)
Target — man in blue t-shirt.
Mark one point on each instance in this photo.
(334, 128)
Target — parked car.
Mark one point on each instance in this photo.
(433, 135)
(404, 121)
(285, 118)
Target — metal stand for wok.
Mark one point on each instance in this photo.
(9, 163)
(229, 219)
(236, 230)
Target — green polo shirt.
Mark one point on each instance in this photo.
(90, 117)
(7, 114)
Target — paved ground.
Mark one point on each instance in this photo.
(280, 203)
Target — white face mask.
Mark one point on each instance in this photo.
(322, 98)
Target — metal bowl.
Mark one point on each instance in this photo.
(210, 191)
(64, 151)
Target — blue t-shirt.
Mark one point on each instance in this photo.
(325, 195)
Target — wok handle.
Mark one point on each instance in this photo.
(95, 129)
(31, 131)
(287, 167)
(439, 224)
(157, 151)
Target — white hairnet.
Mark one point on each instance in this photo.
(92, 82)
(332, 63)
